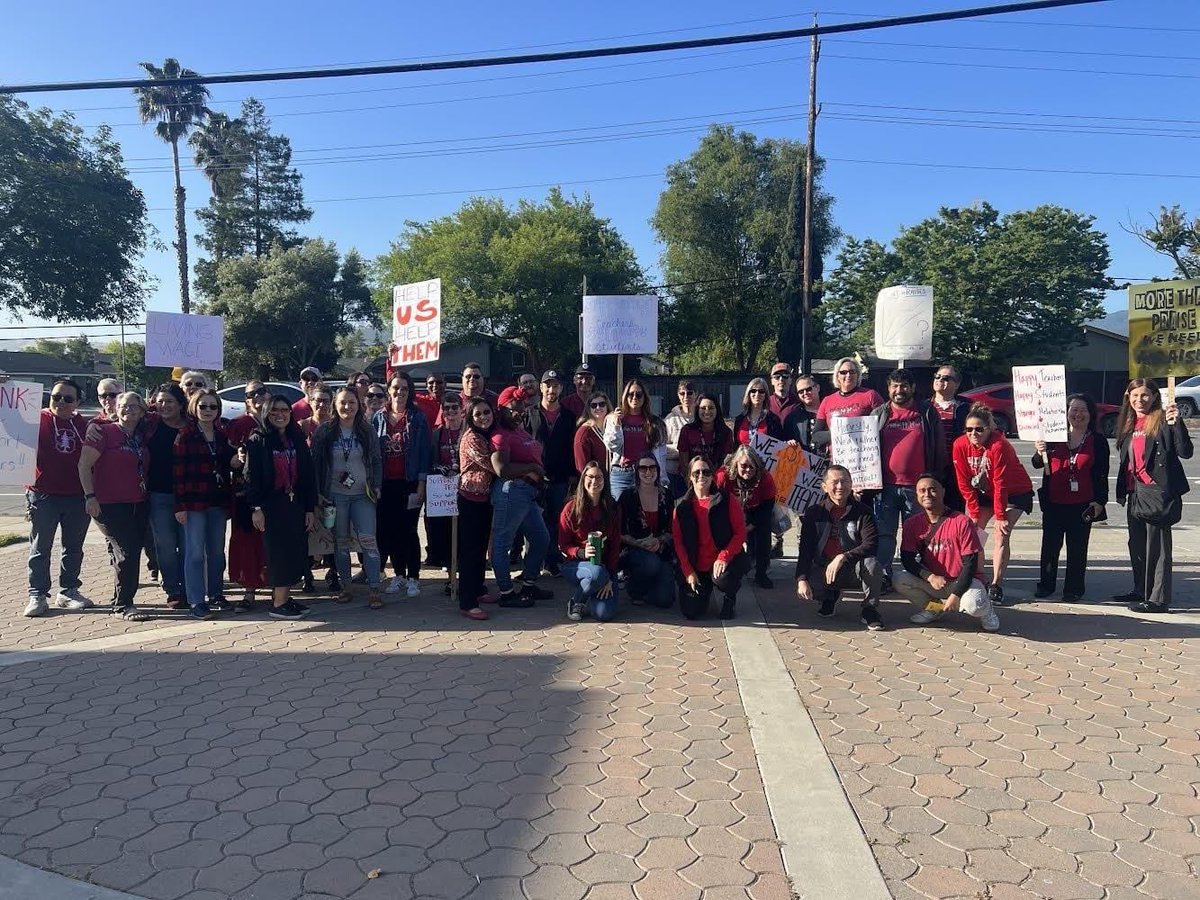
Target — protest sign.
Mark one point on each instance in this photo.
(417, 322)
(1040, 402)
(441, 496)
(797, 472)
(904, 322)
(855, 445)
(20, 411)
(620, 324)
(1164, 329)
(185, 340)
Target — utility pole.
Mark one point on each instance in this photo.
(809, 172)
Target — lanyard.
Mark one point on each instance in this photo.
(347, 445)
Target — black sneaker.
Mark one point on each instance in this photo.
(777, 549)
(872, 619)
(1040, 593)
(575, 611)
(308, 587)
(1072, 598)
(827, 608)
(996, 595)
(201, 611)
(763, 581)
(554, 570)
(242, 607)
(887, 587)
(1131, 597)
(290, 611)
(220, 605)
(1143, 607)
(533, 592)
(514, 600)
(727, 608)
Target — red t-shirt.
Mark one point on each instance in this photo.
(955, 539)
(902, 447)
(1071, 467)
(301, 409)
(431, 407)
(743, 429)
(395, 444)
(633, 430)
(59, 443)
(120, 472)
(1137, 454)
(574, 404)
(859, 402)
(946, 414)
(551, 416)
(522, 447)
(833, 546)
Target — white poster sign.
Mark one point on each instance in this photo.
(797, 472)
(416, 322)
(855, 445)
(20, 411)
(620, 324)
(185, 340)
(1040, 402)
(904, 322)
(441, 496)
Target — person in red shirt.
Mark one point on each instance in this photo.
(782, 399)
(55, 501)
(310, 376)
(746, 479)
(592, 570)
(629, 431)
(850, 398)
(709, 531)
(708, 438)
(589, 435)
(107, 392)
(430, 402)
(445, 462)
(993, 483)
(755, 416)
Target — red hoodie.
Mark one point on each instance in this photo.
(572, 537)
(1005, 476)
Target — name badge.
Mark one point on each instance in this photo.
(1073, 484)
(347, 480)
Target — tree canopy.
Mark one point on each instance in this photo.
(78, 350)
(1174, 236)
(130, 364)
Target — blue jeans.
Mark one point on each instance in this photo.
(204, 554)
(47, 514)
(356, 510)
(168, 542)
(895, 503)
(649, 577)
(514, 504)
(589, 578)
(621, 480)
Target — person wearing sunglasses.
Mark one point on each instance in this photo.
(755, 415)
(850, 398)
(446, 437)
(55, 501)
(376, 399)
(781, 400)
(166, 534)
(708, 532)
(799, 424)
(554, 428)
(310, 377)
(192, 383)
(247, 557)
(361, 382)
(320, 400)
(680, 415)
(429, 401)
(648, 555)
(589, 565)
(475, 507)
(576, 403)
(952, 410)
(629, 431)
(745, 478)
(107, 392)
(994, 485)
(588, 443)
(474, 384)
(708, 438)
(204, 463)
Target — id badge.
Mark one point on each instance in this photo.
(346, 480)
(1073, 484)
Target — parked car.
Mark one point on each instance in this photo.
(1187, 396)
(233, 398)
(999, 399)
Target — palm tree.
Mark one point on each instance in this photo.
(176, 107)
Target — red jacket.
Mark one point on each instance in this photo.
(763, 492)
(572, 537)
(1005, 474)
(589, 447)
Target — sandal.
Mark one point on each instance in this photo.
(130, 614)
(343, 597)
(376, 602)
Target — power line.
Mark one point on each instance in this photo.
(1009, 68)
(1056, 51)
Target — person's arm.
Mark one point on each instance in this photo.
(963, 581)
(179, 473)
(961, 470)
(660, 457)
(775, 427)
(614, 437)
(938, 457)
(424, 452)
(737, 519)
(1183, 439)
(580, 446)
(685, 565)
(1001, 465)
(908, 559)
(568, 537)
(87, 462)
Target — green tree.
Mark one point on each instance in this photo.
(287, 309)
(1174, 236)
(1008, 290)
(514, 273)
(724, 218)
(176, 106)
(78, 350)
(72, 224)
(130, 363)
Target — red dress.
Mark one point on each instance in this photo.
(247, 559)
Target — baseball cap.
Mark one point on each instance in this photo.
(584, 369)
(509, 394)
(310, 370)
(550, 375)
(781, 367)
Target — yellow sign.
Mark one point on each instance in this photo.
(1164, 329)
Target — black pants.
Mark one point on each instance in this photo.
(1064, 521)
(124, 528)
(397, 529)
(695, 603)
(866, 575)
(474, 534)
(437, 541)
(1150, 554)
(758, 539)
(953, 498)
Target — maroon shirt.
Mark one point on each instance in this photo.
(120, 472)
(59, 444)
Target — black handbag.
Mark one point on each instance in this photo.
(1148, 503)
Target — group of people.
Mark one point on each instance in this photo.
(603, 493)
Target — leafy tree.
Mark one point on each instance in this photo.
(1008, 290)
(78, 350)
(724, 218)
(287, 309)
(72, 224)
(514, 273)
(1174, 236)
(131, 362)
(176, 106)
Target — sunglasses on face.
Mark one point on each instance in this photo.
(702, 473)
(600, 405)
(194, 384)
(63, 398)
(647, 468)
(757, 391)
(974, 429)
(806, 390)
(687, 393)
(207, 407)
(635, 395)
(363, 382)
(257, 392)
(847, 372)
(472, 377)
(451, 407)
(782, 375)
(375, 395)
(943, 377)
(109, 395)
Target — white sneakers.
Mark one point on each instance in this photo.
(37, 606)
(397, 585)
(73, 600)
(991, 621)
(413, 587)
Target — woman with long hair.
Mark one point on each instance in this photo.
(756, 414)
(282, 492)
(709, 531)
(475, 477)
(445, 462)
(375, 399)
(993, 484)
(747, 479)
(707, 438)
(349, 471)
(404, 435)
(204, 464)
(589, 536)
(165, 532)
(629, 431)
(647, 558)
(1151, 481)
(589, 435)
(1073, 493)
(247, 558)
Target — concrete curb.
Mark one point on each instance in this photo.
(21, 882)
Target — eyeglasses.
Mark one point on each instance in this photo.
(194, 384)
(635, 395)
(702, 473)
(471, 377)
(109, 395)
(257, 392)
(207, 407)
(756, 391)
(943, 377)
(782, 375)
(63, 398)
(847, 372)
(600, 405)
(363, 381)
(974, 429)
(376, 395)
(647, 468)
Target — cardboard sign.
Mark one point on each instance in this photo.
(1040, 402)
(417, 322)
(904, 322)
(620, 324)
(323, 542)
(441, 496)
(797, 472)
(185, 340)
(1164, 329)
(20, 412)
(855, 445)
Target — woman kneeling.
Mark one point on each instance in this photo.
(589, 536)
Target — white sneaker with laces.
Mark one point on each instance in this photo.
(397, 585)
(73, 600)
(990, 622)
(37, 606)
(414, 587)
(924, 617)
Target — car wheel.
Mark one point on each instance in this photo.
(1108, 425)
(1187, 407)
(1001, 423)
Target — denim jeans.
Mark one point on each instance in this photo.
(621, 480)
(514, 504)
(168, 542)
(649, 577)
(356, 510)
(204, 556)
(895, 503)
(47, 514)
(588, 579)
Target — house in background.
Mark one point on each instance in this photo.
(23, 365)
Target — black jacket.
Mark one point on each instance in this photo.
(1163, 455)
(558, 442)
(718, 523)
(800, 425)
(1099, 469)
(260, 482)
(774, 426)
(934, 436)
(633, 522)
(857, 532)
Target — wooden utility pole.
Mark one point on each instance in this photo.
(809, 174)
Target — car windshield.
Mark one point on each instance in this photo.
(1194, 381)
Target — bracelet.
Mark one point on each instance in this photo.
(89, 496)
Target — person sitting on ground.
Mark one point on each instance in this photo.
(746, 478)
(646, 533)
(591, 569)
(709, 531)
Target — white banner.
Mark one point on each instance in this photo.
(904, 322)
(1040, 402)
(20, 412)
(416, 322)
(797, 472)
(441, 496)
(185, 340)
(620, 324)
(855, 445)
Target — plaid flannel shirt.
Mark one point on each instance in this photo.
(195, 469)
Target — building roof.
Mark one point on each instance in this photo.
(22, 362)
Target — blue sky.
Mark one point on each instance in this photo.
(1102, 89)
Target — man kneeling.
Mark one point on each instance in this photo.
(943, 561)
(838, 542)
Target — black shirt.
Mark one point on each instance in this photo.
(159, 476)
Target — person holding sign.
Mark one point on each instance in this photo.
(993, 483)
(1151, 481)
(1073, 493)
(631, 430)
(838, 544)
(646, 534)
(755, 416)
(446, 436)
(746, 478)
(850, 398)
(709, 531)
(708, 438)
(475, 477)
(589, 536)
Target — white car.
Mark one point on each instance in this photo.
(233, 398)
(1187, 396)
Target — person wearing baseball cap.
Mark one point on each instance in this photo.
(553, 425)
(782, 398)
(310, 377)
(585, 382)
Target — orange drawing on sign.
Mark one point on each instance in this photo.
(788, 463)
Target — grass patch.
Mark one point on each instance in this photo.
(10, 538)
